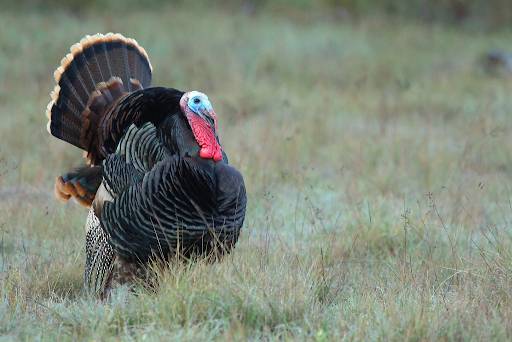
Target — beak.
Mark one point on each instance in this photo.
(210, 117)
(206, 113)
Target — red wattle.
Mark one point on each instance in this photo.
(209, 152)
(204, 136)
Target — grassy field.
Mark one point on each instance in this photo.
(376, 156)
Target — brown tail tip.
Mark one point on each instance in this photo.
(65, 190)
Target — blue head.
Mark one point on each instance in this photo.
(199, 104)
(203, 122)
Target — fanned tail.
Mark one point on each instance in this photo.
(99, 71)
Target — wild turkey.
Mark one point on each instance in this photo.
(157, 180)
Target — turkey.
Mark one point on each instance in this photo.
(157, 181)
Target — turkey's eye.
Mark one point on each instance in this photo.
(196, 100)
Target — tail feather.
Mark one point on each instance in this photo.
(65, 93)
(65, 130)
(99, 70)
(116, 55)
(94, 52)
(137, 65)
(82, 183)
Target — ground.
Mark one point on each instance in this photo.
(376, 155)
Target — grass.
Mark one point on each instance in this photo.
(376, 157)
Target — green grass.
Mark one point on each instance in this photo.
(340, 128)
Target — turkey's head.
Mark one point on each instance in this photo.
(203, 122)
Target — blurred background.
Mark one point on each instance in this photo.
(478, 14)
(380, 127)
(493, 14)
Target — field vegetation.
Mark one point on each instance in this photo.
(376, 152)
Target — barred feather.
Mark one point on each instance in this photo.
(100, 257)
